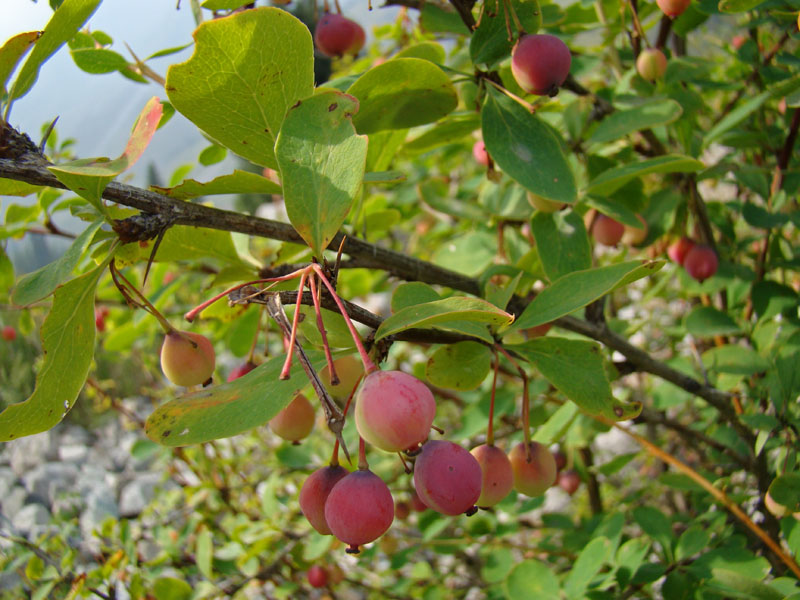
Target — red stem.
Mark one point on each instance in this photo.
(323, 333)
(287, 365)
(490, 429)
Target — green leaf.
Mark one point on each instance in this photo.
(64, 23)
(738, 6)
(461, 308)
(555, 427)
(411, 293)
(434, 18)
(68, 336)
(229, 408)
(322, 162)
(223, 4)
(40, 283)
(622, 122)
(771, 298)
(426, 50)
(240, 98)
(6, 272)
(238, 182)
(98, 60)
(183, 242)
(446, 131)
(526, 149)
(785, 490)
(695, 539)
(88, 177)
(469, 254)
(500, 295)
(735, 359)
(655, 524)
(611, 180)
(736, 585)
(531, 580)
(589, 561)
(575, 290)
(12, 52)
(562, 242)
(11, 187)
(490, 42)
(384, 177)
(171, 588)
(576, 368)
(461, 366)
(707, 321)
(402, 93)
(204, 552)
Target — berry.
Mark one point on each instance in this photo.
(187, 358)
(497, 476)
(569, 481)
(295, 421)
(317, 576)
(359, 509)
(634, 236)
(607, 231)
(651, 64)
(673, 8)
(561, 460)
(402, 510)
(538, 331)
(447, 477)
(315, 492)
(349, 370)
(242, 369)
(9, 333)
(394, 411)
(336, 35)
(480, 154)
(540, 63)
(532, 477)
(679, 249)
(416, 502)
(543, 204)
(701, 262)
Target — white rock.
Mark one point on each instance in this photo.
(31, 516)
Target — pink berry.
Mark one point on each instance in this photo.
(480, 154)
(241, 370)
(497, 475)
(679, 249)
(394, 410)
(447, 477)
(317, 576)
(701, 262)
(533, 477)
(9, 333)
(673, 8)
(540, 63)
(607, 231)
(569, 481)
(295, 421)
(336, 35)
(314, 494)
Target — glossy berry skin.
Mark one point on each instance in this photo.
(540, 63)
(480, 154)
(673, 8)
(187, 358)
(651, 64)
(607, 231)
(394, 410)
(295, 421)
(701, 262)
(497, 478)
(336, 35)
(241, 370)
(447, 477)
(534, 477)
(315, 492)
(317, 576)
(679, 249)
(9, 333)
(359, 509)
(569, 481)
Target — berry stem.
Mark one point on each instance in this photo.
(126, 287)
(335, 454)
(490, 427)
(287, 365)
(369, 366)
(323, 334)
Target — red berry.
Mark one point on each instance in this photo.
(607, 231)
(701, 262)
(416, 502)
(673, 8)
(242, 369)
(480, 154)
(679, 249)
(317, 576)
(540, 64)
(187, 358)
(401, 510)
(314, 494)
(569, 481)
(359, 509)
(295, 421)
(447, 477)
(336, 35)
(532, 477)
(9, 333)
(561, 459)
(394, 411)
(497, 476)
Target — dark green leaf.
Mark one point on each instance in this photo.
(707, 321)
(785, 490)
(461, 366)
(611, 180)
(98, 60)
(589, 562)
(562, 242)
(238, 182)
(622, 122)
(735, 359)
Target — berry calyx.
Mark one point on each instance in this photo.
(314, 494)
(447, 477)
(336, 35)
(187, 358)
(317, 576)
(540, 63)
(533, 477)
(607, 231)
(359, 509)
(678, 250)
(651, 64)
(701, 262)
(295, 421)
(394, 411)
(497, 477)
(241, 370)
